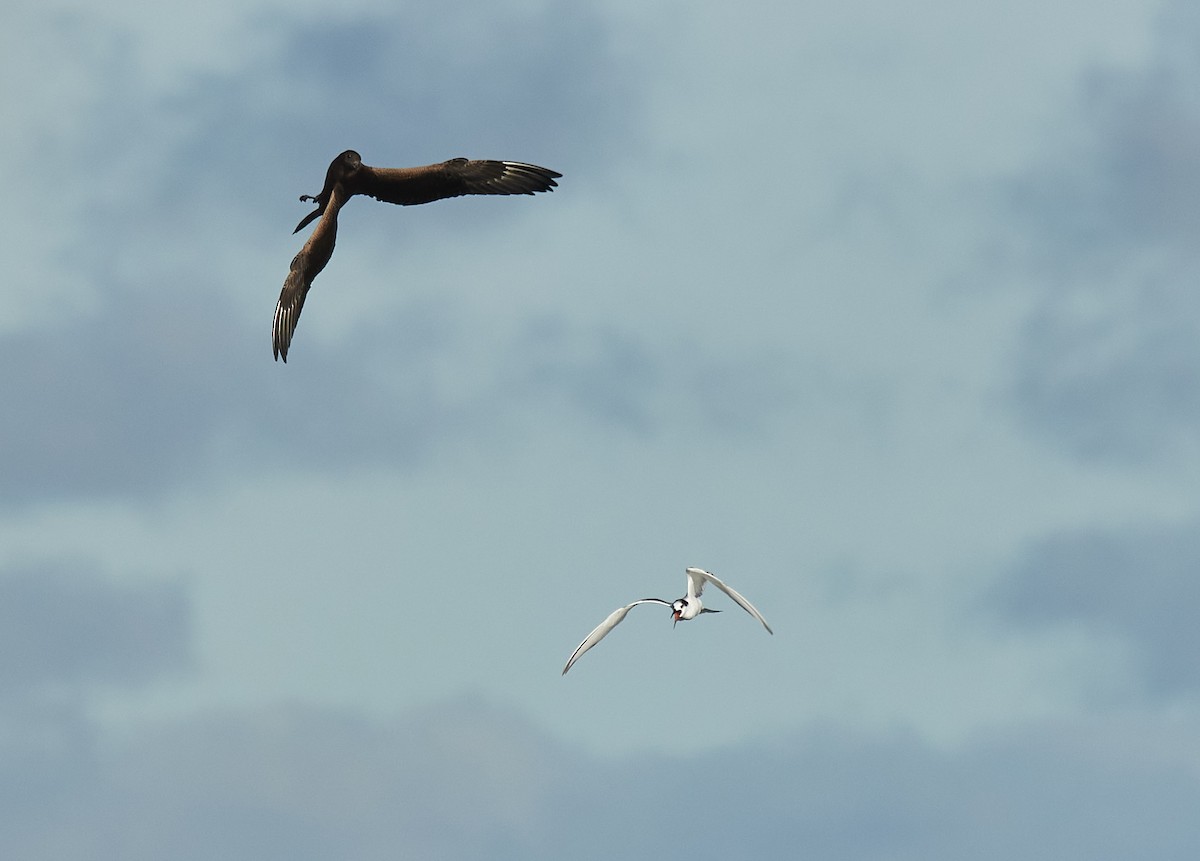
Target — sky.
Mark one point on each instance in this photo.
(885, 314)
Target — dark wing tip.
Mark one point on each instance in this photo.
(281, 334)
(280, 350)
(522, 178)
(504, 177)
(287, 314)
(280, 337)
(282, 330)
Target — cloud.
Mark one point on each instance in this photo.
(1117, 382)
(541, 78)
(517, 81)
(614, 377)
(1137, 584)
(148, 373)
(153, 392)
(464, 779)
(63, 625)
(143, 373)
(68, 632)
(1108, 359)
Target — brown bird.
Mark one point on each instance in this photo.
(348, 176)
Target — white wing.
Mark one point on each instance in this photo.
(696, 580)
(607, 625)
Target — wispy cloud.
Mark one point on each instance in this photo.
(1108, 360)
(1135, 584)
(63, 627)
(467, 780)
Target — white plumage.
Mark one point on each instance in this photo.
(683, 609)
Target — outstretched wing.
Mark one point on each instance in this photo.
(697, 577)
(408, 186)
(601, 630)
(305, 267)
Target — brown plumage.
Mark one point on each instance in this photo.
(305, 267)
(407, 186)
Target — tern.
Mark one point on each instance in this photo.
(406, 186)
(682, 610)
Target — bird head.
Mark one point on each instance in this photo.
(677, 607)
(340, 169)
(346, 164)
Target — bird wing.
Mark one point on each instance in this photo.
(305, 267)
(601, 630)
(696, 580)
(408, 186)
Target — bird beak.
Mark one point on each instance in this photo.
(674, 618)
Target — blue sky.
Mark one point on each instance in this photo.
(885, 315)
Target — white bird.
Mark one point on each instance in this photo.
(682, 610)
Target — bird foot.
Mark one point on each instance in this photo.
(304, 198)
